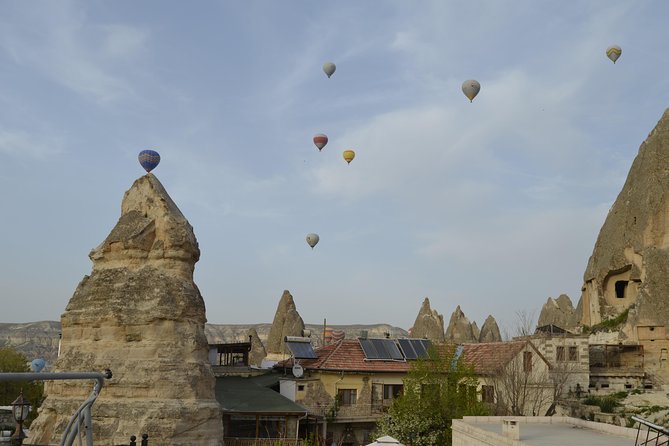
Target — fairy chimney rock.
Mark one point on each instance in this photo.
(257, 353)
(629, 265)
(429, 324)
(140, 314)
(475, 330)
(287, 322)
(490, 331)
(459, 328)
(558, 312)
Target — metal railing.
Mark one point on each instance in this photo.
(82, 421)
(233, 441)
(655, 434)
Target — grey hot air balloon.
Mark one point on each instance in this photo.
(312, 239)
(329, 68)
(613, 52)
(471, 88)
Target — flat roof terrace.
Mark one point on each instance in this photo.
(541, 431)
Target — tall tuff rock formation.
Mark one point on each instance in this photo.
(140, 314)
(429, 324)
(287, 322)
(490, 331)
(558, 312)
(629, 266)
(459, 328)
(257, 353)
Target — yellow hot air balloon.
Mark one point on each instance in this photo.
(614, 52)
(349, 155)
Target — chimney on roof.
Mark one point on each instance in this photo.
(363, 334)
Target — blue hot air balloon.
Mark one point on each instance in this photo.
(36, 365)
(149, 159)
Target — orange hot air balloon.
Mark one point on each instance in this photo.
(349, 155)
(320, 141)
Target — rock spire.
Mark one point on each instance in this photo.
(558, 312)
(140, 314)
(429, 324)
(257, 353)
(287, 322)
(459, 328)
(490, 331)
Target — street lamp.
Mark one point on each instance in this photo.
(20, 410)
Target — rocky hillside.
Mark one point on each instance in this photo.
(40, 339)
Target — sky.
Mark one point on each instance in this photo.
(493, 205)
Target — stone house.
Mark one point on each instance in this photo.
(350, 384)
(568, 354)
(514, 376)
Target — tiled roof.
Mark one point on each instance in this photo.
(489, 357)
(347, 355)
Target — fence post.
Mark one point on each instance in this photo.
(133, 441)
(145, 440)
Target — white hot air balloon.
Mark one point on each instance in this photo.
(471, 88)
(329, 68)
(312, 239)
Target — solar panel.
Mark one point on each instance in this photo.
(301, 350)
(421, 346)
(387, 349)
(368, 349)
(407, 349)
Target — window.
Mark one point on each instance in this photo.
(488, 394)
(573, 353)
(300, 388)
(559, 354)
(347, 397)
(621, 287)
(527, 361)
(391, 391)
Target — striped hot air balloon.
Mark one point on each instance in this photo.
(149, 159)
(613, 52)
(320, 140)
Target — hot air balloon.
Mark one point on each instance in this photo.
(36, 365)
(320, 140)
(149, 159)
(471, 88)
(613, 52)
(329, 68)
(349, 155)
(312, 239)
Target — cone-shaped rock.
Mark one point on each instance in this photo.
(429, 324)
(257, 353)
(629, 265)
(140, 314)
(558, 312)
(459, 328)
(287, 322)
(475, 330)
(490, 331)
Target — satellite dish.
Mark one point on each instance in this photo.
(298, 371)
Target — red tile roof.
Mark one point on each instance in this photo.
(489, 357)
(347, 355)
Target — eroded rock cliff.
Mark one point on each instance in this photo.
(140, 314)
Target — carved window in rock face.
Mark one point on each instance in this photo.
(621, 289)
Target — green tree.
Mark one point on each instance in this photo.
(437, 389)
(13, 361)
